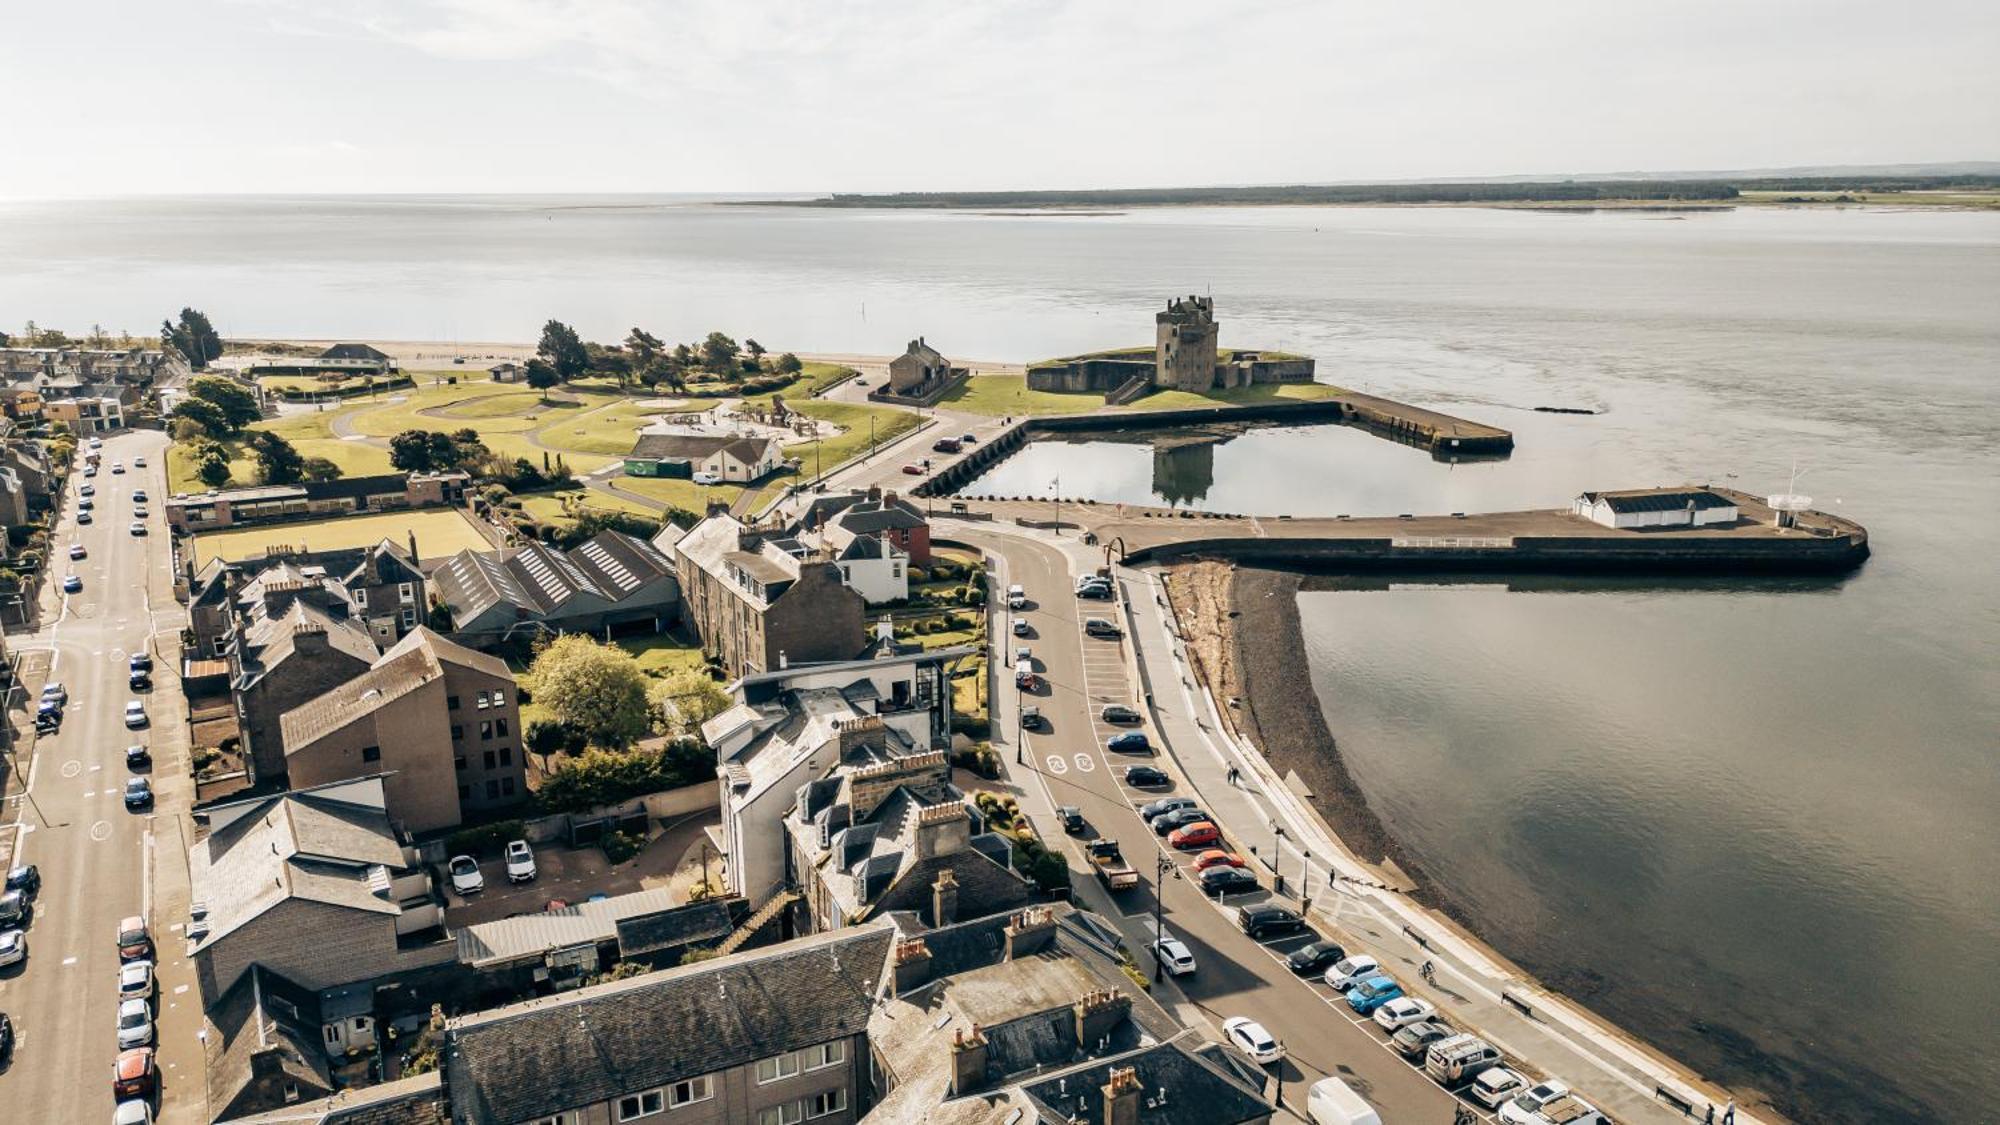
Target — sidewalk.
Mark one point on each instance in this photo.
(1544, 1031)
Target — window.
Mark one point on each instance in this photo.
(506, 755)
(632, 1107)
(490, 763)
(371, 753)
(778, 1066)
(895, 570)
(563, 1118)
(360, 599)
(407, 592)
(825, 1055)
(492, 790)
(479, 700)
(451, 703)
(464, 792)
(409, 618)
(691, 1091)
(506, 787)
(500, 727)
(458, 763)
(332, 1035)
(825, 1102)
(457, 732)
(791, 1113)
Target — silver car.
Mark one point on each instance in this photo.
(135, 1024)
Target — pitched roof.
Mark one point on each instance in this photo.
(263, 1013)
(535, 1058)
(1201, 1088)
(391, 678)
(353, 351)
(543, 583)
(1660, 499)
(406, 1101)
(696, 447)
(531, 935)
(621, 564)
(268, 641)
(303, 844)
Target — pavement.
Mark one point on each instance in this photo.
(100, 862)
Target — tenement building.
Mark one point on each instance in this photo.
(757, 604)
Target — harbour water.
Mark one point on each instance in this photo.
(1755, 822)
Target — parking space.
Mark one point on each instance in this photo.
(570, 875)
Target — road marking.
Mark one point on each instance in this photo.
(72, 768)
(90, 792)
(101, 831)
(1085, 763)
(180, 988)
(1057, 765)
(70, 960)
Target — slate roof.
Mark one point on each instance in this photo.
(353, 351)
(696, 447)
(1660, 499)
(655, 921)
(542, 583)
(869, 547)
(861, 513)
(672, 929)
(354, 488)
(531, 1059)
(264, 1012)
(406, 1101)
(268, 642)
(1200, 1090)
(391, 678)
(292, 845)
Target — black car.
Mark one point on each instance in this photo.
(1146, 777)
(1100, 593)
(1224, 879)
(138, 757)
(1312, 960)
(140, 681)
(1168, 821)
(141, 662)
(138, 793)
(1118, 713)
(1268, 920)
(1072, 819)
(1151, 809)
(26, 878)
(15, 911)
(6, 1037)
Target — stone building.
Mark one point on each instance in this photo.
(1184, 357)
(757, 604)
(1184, 338)
(920, 375)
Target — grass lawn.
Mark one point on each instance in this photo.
(968, 693)
(379, 417)
(889, 422)
(439, 531)
(502, 405)
(662, 655)
(554, 507)
(1260, 392)
(681, 493)
(815, 377)
(608, 430)
(1000, 395)
(296, 383)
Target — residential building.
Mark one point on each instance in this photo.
(610, 581)
(293, 642)
(236, 507)
(406, 1101)
(840, 518)
(13, 500)
(383, 588)
(313, 885)
(98, 365)
(441, 721)
(876, 569)
(732, 458)
(804, 724)
(775, 1036)
(920, 376)
(759, 607)
(263, 1047)
(86, 415)
(1656, 507)
(557, 949)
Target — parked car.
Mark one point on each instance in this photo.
(1151, 809)
(139, 513)
(945, 445)
(1165, 823)
(465, 876)
(1146, 777)
(72, 584)
(1350, 971)
(1216, 857)
(1549, 1101)
(15, 910)
(137, 757)
(138, 528)
(140, 662)
(1172, 955)
(1372, 993)
(139, 681)
(117, 467)
(88, 471)
(83, 515)
(1250, 1035)
(1017, 597)
(56, 691)
(135, 1024)
(1130, 742)
(1200, 834)
(1402, 1012)
(1021, 627)
(1118, 713)
(1023, 654)
(1496, 1084)
(87, 490)
(914, 470)
(76, 551)
(520, 861)
(133, 1075)
(1455, 1061)
(13, 948)
(139, 495)
(1219, 881)
(706, 477)
(138, 793)
(26, 878)
(6, 1037)
(134, 1112)
(969, 439)
(1100, 593)
(134, 940)
(1031, 719)
(1099, 627)
(138, 462)
(1268, 919)
(1071, 819)
(1412, 1040)
(135, 714)
(1312, 959)
(135, 980)
(1332, 1102)
(86, 504)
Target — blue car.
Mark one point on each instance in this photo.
(1130, 742)
(1372, 993)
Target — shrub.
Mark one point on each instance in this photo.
(621, 846)
(483, 838)
(606, 777)
(979, 759)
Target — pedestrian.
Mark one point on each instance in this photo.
(1729, 1113)
(1710, 1119)
(1232, 775)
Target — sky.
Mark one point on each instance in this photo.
(202, 96)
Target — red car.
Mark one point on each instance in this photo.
(914, 470)
(1216, 857)
(1195, 835)
(134, 1076)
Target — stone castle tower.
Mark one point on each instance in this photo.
(1185, 339)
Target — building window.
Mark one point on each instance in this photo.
(895, 570)
(691, 1091)
(790, 1113)
(485, 731)
(464, 792)
(490, 763)
(825, 1055)
(371, 753)
(500, 727)
(361, 599)
(458, 763)
(632, 1107)
(451, 703)
(407, 592)
(457, 732)
(563, 1118)
(479, 700)
(829, 1101)
(506, 755)
(778, 1066)
(492, 790)
(409, 618)
(506, 787)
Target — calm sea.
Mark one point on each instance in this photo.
(1759, 822)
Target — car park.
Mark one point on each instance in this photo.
(1312, 959)
(520, 861)
(135, 714)
(465, 876)
(138, 793)
(1130, 742)
(1173, 956)
(1372, 993)
(135, 980)
(1412, 1040)
(1151, 809)
(1219, 881)
(1071, 819)
(1494, 1085)
(15, 910)
(134, 940)
(134, 1112)
(1350, 971)
(135, 1024)
(1167, 822)
(1146, 777)
(1250, 1035)
(26, 878)
(13, 947)
(76, 551)
(1099, 627)
(138, 757)
(1402, 1012)
(1118, 713)
(1266, 919)
(134, 1074)
(1200, 834)
(1216, 857)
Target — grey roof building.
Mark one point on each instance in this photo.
(406, 1101)
(577, 938)
(263, 1047)
(609, 580)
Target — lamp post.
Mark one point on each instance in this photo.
(1161, 865)
(1305, 881)
(1277, 856)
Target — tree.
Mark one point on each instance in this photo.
(411, 451)
(193, 337)
(645, 348)
(788, 364)
(599, 689)
(683, 356)
(563, 349)
(755, 349)
(6, 341)
(718, 352)
(541, 376)
(204, 415)
(691, 699)
(211, 464)
(320, 468)
(239, 406)
(277, 461)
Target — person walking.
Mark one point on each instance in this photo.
(1232, 775)
(1729, 1113)
(1710, 1119)
(1428, 972)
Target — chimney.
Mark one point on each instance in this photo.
(944, 899)
(414, 556)
(1097, 1013)
(885, 629)
(889, 498)
(1121, 1097)
(968, 1061)
(1030, 931)
(875, 492)
(912, 964)
(942, 830)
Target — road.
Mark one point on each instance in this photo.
(71, 821)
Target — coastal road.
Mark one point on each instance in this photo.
(71, 821)
(1067, 765)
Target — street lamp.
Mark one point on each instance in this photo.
(1277, 855)
(1161, 865)
(1305, 881)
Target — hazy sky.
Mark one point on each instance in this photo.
(749, 95)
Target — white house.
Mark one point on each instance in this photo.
(721, 457)
(1656, 507)
(875, 568)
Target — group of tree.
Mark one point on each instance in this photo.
(422, 451)
(596, 689)
(193, 337)
(646, 358)
(215, 407)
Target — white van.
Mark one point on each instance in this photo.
(1331, 1102)
(1017, 596)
